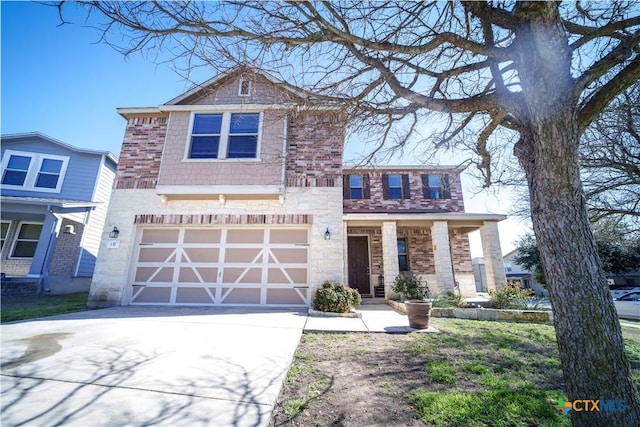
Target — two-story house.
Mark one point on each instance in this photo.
(234, 193)
(54, 203)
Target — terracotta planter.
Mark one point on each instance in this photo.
(418, 312)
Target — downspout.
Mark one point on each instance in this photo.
(283, 175)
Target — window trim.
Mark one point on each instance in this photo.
(249, 87)
(5, 238)
(223, 144)
(16, 238)
(31, 179)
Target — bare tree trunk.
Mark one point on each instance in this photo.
(589, 335)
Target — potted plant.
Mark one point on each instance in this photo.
(416, 293)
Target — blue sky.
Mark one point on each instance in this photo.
(59, 80)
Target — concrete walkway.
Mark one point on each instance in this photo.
(375, 318)
(164, 366)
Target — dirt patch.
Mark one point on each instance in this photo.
(350, 380)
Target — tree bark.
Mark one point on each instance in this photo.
(589, 335)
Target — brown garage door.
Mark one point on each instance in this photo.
(222, 266)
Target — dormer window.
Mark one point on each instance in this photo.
(225, 136)
(245, 88)
(33, 171)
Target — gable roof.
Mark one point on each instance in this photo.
(19, 137)
(233, 72)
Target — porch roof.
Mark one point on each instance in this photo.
(464, 222)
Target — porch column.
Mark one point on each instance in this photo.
(389, 255)
(46, 243)
(442, 258)
(492, 253)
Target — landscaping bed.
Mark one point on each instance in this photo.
(472, 373)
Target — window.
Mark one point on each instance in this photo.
(245, 88)
(355, 186)
(26, 240)
(3, 233)
(33, 171)
(395, 186)
(403, 260)
(16, 171)
(49, 173)
(436, 186)
(225, 136)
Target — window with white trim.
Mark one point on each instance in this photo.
(245, 88)
(225, 136)
(26, 240)
(33, 171)
(4, 230)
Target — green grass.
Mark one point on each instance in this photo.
(42, 306)
(441, 372)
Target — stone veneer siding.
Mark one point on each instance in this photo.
(314, 149)
(139, 161)
(417, 202)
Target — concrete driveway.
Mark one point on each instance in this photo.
(139, 366)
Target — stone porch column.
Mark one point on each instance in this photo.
(492, 253)
(345, 251)
(442, 259)
(389, 255)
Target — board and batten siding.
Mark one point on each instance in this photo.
(96, 220)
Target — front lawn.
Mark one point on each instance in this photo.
(471, 374)
(41, 306)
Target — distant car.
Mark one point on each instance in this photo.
(628, 305)
(623, 290)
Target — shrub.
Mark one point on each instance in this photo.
(336, 298)
(411, 288)
(450, 299)
(510, 297)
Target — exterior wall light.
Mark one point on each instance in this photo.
(327, 235)
(113, 234)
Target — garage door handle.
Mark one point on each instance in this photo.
(300, 287)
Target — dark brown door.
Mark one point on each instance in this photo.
(358, 254)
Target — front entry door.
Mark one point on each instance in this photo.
(358, 254)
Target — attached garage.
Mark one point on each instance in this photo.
(221, 266)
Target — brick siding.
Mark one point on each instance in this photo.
(267, 219)
(415, 203)
(139, 163)
(314, 149)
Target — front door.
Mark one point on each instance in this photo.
(358, 254)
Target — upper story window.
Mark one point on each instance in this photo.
(395, 186)
(26, 240)
(436, 186)
(33, 171)
(225, 136)
(356, 187)
(245, 88)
